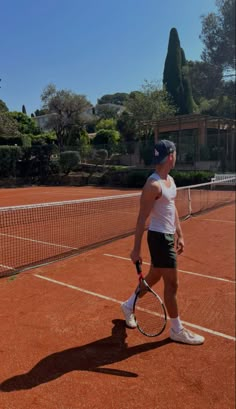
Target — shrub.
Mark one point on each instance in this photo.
(115, 159)
(69, 160)
(107, 137)
(191, 178)
(54, 166)
(146, 153)
(9, 155)
(100, 156)
(137, 178)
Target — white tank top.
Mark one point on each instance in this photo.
(162, 218)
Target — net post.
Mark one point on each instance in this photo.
(189, 203)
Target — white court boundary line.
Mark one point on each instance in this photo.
(182, 271)
(219, 221)
(73, 287)
(37, 241)
(7, 267)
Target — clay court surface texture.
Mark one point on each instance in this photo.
(63, 339)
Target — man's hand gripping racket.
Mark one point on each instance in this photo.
(149, 310)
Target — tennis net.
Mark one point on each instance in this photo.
(33, 235)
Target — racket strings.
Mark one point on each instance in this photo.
(149, 314)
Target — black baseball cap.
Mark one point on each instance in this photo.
(162, 149)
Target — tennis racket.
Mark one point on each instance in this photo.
(149, 310)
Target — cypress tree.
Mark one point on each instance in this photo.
(188, 103)
(175, 76)
(172, 77)
(24, 110)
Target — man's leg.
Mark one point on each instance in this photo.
(177, 331)
(170, 278)
(151, 278)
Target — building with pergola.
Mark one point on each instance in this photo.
(198, 138)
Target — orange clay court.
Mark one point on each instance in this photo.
(63, 340)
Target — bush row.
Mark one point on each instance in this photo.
(43, 163)
(136, 178)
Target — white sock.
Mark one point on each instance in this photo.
(176, 324)
(130, 302)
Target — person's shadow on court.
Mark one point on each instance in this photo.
(89, 357)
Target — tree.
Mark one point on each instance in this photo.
(40, 112)
(8, 125)
(172, 77)
(26, 125)
(126, 127)
(176, 75)
(24, 110)
(148, 104)
(206, 80)
(106, 124)
(119, 98)
(188, 103)
(106, 138)
(3, 106)
(218, 35)
(223, 106)
(107, 111)
(65, 108)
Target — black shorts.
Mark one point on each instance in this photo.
(162, 249)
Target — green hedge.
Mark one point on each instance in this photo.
(9, 156)
(136, 178)
(191, 177)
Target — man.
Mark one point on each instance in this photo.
(158, 202)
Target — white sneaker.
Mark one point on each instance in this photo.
(129, 316)
(186, 337)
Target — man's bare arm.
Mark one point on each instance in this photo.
(180, 238)
(151, 192)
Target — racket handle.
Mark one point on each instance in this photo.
(138, 267)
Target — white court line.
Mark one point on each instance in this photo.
(219, 221)
(182, 271)
(7, 267)
(37, 241)
(73, 287)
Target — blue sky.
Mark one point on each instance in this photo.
(90, 47)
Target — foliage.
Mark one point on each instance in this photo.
(77, 135)
(118, 98)
(40, 112)
(223, 106)
(3, 106)
(191, 177)
(126, 127)
(65, 108)
(106, 111)
(206, 80)
(151, 103)
(108, 137)
(146, 153)
(106, 124)
(24, 110)
(69, 161)
(176, 77)
(9, 155)
(136, 178)
(100, 156)
(12, 140)
(26, 125)
(172, 76)
(218, 35)
(189, 106)
(8, 124)
(46, 137)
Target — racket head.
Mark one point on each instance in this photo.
(149, 311)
